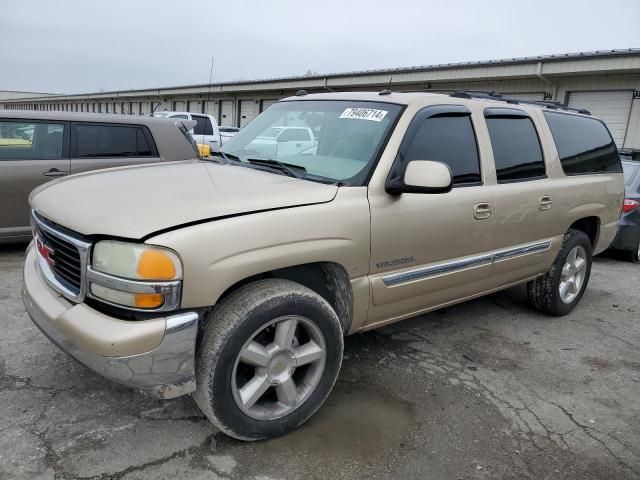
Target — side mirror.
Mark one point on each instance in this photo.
(422, 176)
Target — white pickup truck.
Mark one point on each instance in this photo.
(283, 141)
(205, 132)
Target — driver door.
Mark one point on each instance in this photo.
(430, 249)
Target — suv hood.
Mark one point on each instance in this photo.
(134, 202)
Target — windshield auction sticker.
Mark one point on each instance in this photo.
(364, 114)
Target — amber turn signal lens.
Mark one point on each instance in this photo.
(156, 265)
(148, 300)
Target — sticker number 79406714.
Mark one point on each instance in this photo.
(364, 114)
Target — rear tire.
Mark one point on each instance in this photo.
(559, 290)
(268, 358)
(634, 256)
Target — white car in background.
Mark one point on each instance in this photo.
(227, 133)
(205, 132)
(283, 141)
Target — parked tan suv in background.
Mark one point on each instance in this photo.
(235, 278)
(36, 147)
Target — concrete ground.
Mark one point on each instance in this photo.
(485, 390)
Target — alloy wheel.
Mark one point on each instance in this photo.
(573, 274)
(278, 368)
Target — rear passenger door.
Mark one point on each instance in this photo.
(31, 153)
(524, 197)
(105, 145)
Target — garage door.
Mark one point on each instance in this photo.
(611, 107)
(179, 106)
(194, 106)
(266, 104)
(145, 108)
(226, 113)
(247, 111)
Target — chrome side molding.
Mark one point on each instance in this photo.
(462, 263)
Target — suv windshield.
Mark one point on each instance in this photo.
(333, 140)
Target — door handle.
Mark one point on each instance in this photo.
(545, 202)
(482, 211)
(54, 172)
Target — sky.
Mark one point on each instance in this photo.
(81, 46)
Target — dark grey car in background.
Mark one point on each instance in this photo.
(36, 147)
(628, 238)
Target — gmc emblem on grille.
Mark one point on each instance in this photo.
(45, 251)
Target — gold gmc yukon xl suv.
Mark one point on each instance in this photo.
(235, 278)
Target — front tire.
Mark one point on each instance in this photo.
(559, 290)
(268, 358)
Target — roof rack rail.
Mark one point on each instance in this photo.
(517, 101)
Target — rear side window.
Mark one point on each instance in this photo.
(584, 144)
(516, 148)
(630, 171)
(203, 126)
(449, 139)
(25, 140)
(111, 141)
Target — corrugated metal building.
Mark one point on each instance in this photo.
(605, 82)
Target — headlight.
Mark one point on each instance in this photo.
(138, 276)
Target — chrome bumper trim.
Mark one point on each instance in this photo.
(461, 264)
(167, 371)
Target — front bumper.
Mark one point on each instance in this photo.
(156, 356)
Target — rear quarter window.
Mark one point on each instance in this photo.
(584, 144)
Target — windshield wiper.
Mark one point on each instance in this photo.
(227, 156)
(286, 168)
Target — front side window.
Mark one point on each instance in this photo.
(332, 140)
(584, 144)
(516, 148)
(449, 139)
(110, 141)
(24, 140)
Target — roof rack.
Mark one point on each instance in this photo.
(516, 101)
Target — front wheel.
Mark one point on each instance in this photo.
(269, 356)
(559, 290)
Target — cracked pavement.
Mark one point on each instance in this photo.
(482, 390)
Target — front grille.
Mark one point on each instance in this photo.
(62, 256)
(66, 266)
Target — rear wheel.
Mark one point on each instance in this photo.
(269, 356)
(558, 291)
(634, 255)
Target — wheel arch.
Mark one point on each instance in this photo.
(328, 279)
(590, 226)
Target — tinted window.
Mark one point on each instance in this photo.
(451, 140)
(294, 135)
(30, 140)
(143, 147)
(584, 144)
(201, 126)
(630, 171)
(208, 128)
(516, 149)
(111, 141)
